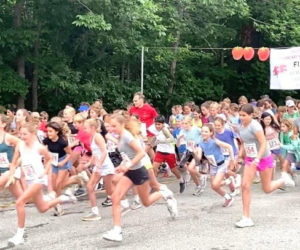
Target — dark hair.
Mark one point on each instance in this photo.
(247, 108)
(160, 119)
(273, 123)
(56, 126)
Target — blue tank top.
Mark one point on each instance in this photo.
(210, 148)
(9, 150)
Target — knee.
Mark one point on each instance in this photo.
(246, 187)
(215, 185)
(267, 190)
(145, 203)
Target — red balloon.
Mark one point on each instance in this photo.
(248, 53)
(237, 53)
(263, 54)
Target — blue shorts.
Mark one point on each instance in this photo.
(67, 166)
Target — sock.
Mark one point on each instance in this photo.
(124, 203)
(101, 181)
(181, 180)
(95, 210)
(20, 232)
(199, 186)
(227, 196)
(108, 196)
(117, 229)
(137, 198)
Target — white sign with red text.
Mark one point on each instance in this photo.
(285, 68)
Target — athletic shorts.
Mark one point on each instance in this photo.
(3, 170)
(138, 176)
(67, 166)
(166, 157)
(263, 164)
(43, 181)
(291, 157)
(222, 169)
(104, 170)
(275, 151)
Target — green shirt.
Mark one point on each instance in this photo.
(289, 116)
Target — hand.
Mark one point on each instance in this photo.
(231, 164)
(122, 169)
(59, 165)
(11, 180)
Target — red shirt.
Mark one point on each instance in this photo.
(145, 113)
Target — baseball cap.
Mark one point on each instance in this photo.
(290, 103)
(83, 108)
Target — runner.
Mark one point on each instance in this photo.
(131, 172)
(257, 158)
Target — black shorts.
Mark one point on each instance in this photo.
(138, 176)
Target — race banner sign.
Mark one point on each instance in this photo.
(285, 68)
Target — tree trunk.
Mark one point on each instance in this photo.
(19, 8)
(35, 78)
(172, 80)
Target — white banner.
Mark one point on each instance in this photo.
(285, 68)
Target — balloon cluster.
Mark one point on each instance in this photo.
(248, 53)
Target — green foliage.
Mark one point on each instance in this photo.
(88, 49)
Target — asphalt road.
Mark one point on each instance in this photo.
(202, 224)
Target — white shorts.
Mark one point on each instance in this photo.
(104, 170)
(43, 181)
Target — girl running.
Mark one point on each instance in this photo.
(31, 154)
(60, 154)
(257, 158)
(103, 167)
(132, 172)
(211, 148)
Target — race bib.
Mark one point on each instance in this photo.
(71, 139)
(251, 150)
(274, 143)
(54, 159)
(225, 151)
(4, 163)
(143, 129)
(28, 171)
(190, 145)
(211, 159)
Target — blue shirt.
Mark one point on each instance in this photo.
(228, 136)
(210, 148)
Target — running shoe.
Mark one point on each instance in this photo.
(135, 205)
(288, 181)
(113, 235)
(125, 210)
(198, 191)
(100, 187)
(172, 207)
(107, 202)
(228, 202)
(80, 192)
(236, 192)
(237, 181)
(91, 217)
(58, 210)
(67, 199)
(244, 222)
(256, 180)
(181, 187)
(165, 192)
(16, 240)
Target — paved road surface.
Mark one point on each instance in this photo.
(202, 224)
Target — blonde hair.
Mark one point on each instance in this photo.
(6, 120)
(214, 105)
(288, 123)
(70, 110)
(30, 126)
(188, 119)
(92, 122)
(133, 126)
(79, 118)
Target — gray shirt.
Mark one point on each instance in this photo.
(251, 143)
(124, 147)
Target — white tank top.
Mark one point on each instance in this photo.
(96, 151)
(32, 164)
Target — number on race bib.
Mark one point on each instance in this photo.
(251, 150)
(274, 143)
(28, 171)
(4, 163)
(225, 151)
(71, 139)
(211, 159)
(54, 159)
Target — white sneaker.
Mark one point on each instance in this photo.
(198, 191)
(49, 197)
(227, 181)
(244, 222)
(113, 235)
(68, 199)
(235, 192)
(237, 181)
(91, 217)
(172, 207)
(288, 181)
(135, 205)
(165, 192)
(16, 240)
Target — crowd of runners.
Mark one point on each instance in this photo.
(50, 162)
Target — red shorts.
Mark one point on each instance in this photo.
(165, 157)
